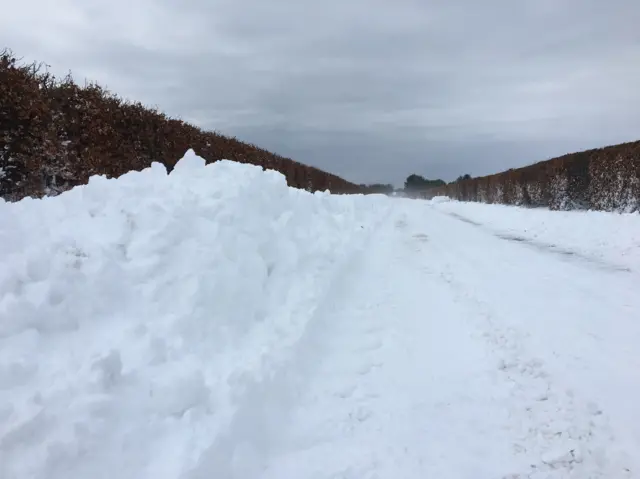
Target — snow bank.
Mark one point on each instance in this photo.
(139, 315)
(613, 238)
(439, 199)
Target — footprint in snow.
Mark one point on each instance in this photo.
(366, 368)
(346, 391)
(370, 346)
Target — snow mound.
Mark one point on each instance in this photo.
(439, 199)
(139, 316)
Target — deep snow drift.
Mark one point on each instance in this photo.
(136, 314)
(214, 323)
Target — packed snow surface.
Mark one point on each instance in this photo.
(596, 236)
(214, 323)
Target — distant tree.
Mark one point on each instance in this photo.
(414, 182)
(418, 183)
(378, 188)
(463, 177)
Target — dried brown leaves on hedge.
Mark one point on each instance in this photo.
(55, 134)
(600, 179)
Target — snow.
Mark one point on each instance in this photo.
(464, 355)
(213, 322)
(607, 238)
(147, 307)
(439, 199)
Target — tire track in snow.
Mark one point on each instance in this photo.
(265, 403)
(352, 402)
(544, 247)
(392, 398)
(562, 436)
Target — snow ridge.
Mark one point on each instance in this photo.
(116, 296)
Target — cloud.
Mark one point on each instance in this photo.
(372, 90)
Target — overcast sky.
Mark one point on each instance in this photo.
(372, 90)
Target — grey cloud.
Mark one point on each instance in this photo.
(369, 89)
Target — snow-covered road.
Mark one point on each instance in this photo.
(455, 353)
(214, 323)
